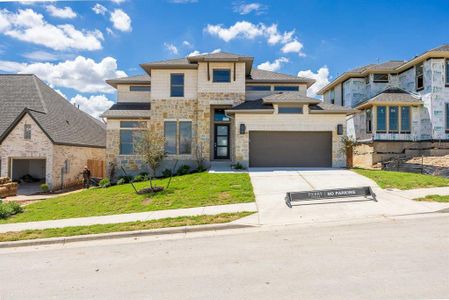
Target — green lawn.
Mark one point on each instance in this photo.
(129, 226)
(435, 198)
(200, 189)
(402, 180)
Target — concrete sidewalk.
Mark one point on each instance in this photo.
(143, 216)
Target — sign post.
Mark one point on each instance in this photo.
(365, 191)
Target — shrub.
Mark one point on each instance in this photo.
(166, 173)
(138, 178)
(44, 187)
(238, 166)
(201, 169)
(9, 208)
(127, 179)
(121, 181)
(144, 174)
(183, 170)
(104, 183)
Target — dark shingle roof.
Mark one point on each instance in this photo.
(289, 97)
(258, 75)
(128, 110)
(252, 105)
(393, 94)
(60, 120)
(143, 79)
(326, 108)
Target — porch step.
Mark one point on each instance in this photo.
(220, 166)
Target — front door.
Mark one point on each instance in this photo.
(221, 141)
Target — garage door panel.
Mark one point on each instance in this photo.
(290, 149)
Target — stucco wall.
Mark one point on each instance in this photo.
(125, 95)
(15, 146)
(208, 86)
(160, 83)
(281, 122)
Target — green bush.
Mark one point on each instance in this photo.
(44, 187)
(121, 181)
(144, 174)
(238, 166)
(138, 178)
(166, 173)
(9, 208)
(104, 183)
(183, 170)
(127, 179)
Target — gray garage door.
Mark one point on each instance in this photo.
(290, 149)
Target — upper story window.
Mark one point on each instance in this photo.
(290, 110)
(221, 75)
(27, 132)
(286, 88)
(332, 96)
(258, 88)
(419, 76)
(447, 71)
(380, 77)
(140, 88)
(369, 120)
(130, 133)
(176, 85)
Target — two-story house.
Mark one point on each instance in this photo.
(218, 107)
(403, 106)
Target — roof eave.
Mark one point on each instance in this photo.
(309, 83)
(259, 111)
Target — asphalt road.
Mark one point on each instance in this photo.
(406, 258)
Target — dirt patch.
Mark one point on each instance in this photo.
(224, 196)
(147, 201)
(430, 165)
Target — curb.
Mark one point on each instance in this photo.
(119, 235)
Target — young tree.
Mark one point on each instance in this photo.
(151, 147)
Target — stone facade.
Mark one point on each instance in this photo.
(14, 146)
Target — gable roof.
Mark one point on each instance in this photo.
(290, 97)
(393, 66)
(62, 122)
(392, 95)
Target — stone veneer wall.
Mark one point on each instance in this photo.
(77, 158)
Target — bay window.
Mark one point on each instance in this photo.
(381, 119)
(369, 120)
(405, 119)
(393, 122)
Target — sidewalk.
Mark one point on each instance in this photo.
(143, 216)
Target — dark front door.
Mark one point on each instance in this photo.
(221, 141)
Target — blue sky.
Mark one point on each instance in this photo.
(75, 45)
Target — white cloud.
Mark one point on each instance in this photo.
(246, 8)
(63, 13)
(81, 74)
(118, 1)
(248, 30)
(99, 9)
(171, 48)
(28, 26)
(94, 105)
(120, 20)
(294, 46)
(187, 44)
(321, 77)
(273, 66)
(196, 52)
(40, 56)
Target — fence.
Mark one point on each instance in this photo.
(96, 168)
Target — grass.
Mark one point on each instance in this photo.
(435, 198)
(194, 190)
(402, 180)
(130, 226)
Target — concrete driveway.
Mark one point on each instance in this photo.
(271, 185)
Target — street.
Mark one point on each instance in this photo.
(389, 258)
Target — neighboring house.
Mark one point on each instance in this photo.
(403, 106)
(43, 135)
(219, 108)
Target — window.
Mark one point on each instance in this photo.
(380, 77)
(286, 88)
(178, 144)
(381, 119)
(130, 132)
(258, 88)
(140, 88)
(289, 110)
(367, 79)
(393, 120)
(447, 71)
(447, 116)
(185, 137)
(369, 120)
(27, 132)
(176, 85)
(221, 75)
(405, 119)
(66, 167)
(220, 116)
(419, 72)
(332, 96)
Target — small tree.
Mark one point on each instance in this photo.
(151, 147)
(199, 157)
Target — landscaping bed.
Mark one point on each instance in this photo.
(403, 180)
(120, 227)
(194, 190)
